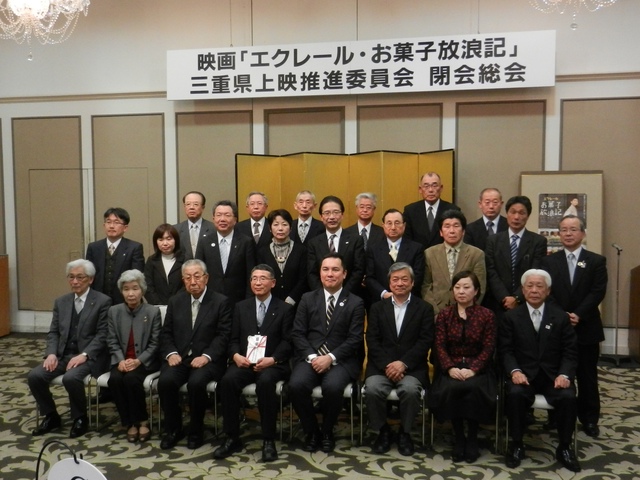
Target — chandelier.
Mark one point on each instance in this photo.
(50, 21)
(572, 6)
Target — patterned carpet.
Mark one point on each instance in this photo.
(615, 455)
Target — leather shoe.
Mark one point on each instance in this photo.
(383, 442)
(458, 450)
(228, 448)
(328, 443)
(269, 452)
(194, 440)
(471, 451)
(514, 456)
(80, 427)
(405, 444)
(170, 440)
(49, 423)
(312, 442)
(591, 429)
(567, 458)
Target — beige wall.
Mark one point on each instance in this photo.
(293, 131)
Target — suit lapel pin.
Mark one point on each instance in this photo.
(582, 264)
(213, 244)
(343, 302)
(145, 318)
(548, 326)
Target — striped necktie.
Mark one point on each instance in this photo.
(332, 245)
(330, 308)
(514, 256)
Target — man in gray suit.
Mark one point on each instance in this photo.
(76, 347)
(194, 227)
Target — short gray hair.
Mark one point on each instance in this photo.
(194, 262)
(86, 265)
(133, 276)
(396, 267)
(535, 271)
(367, 195)
(264, 197)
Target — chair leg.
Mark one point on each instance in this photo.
(361, 414)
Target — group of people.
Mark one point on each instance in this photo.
(273, 299)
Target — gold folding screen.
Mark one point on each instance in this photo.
(393, 176)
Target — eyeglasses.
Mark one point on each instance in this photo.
(261, 279)
(223, 215)
(193, 204)
(332, 213)
(113, 222)
(430, 186)
(366, 207)
(80, 278)
(570, 230)
(197, 277)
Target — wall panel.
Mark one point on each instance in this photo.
(293, 131)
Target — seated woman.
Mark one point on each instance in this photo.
(464, 387)
(163, 269)
(287, 258)
(133, 341)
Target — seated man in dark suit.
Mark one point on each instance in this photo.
(76, 347)
(539, 352)
(327, 335)
(393, 248)
(193, 345)
(579, 286)
(256, 225)
(422, 216)
(270, 317)
(115, 254)
(490, 223)
(305, 227)
(399, 334)
(194, 227)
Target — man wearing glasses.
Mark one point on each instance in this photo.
(193, 346)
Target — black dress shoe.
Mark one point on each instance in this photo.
(514, 456)
(80, 427)
(405, 444)
(328, 444)
(471, 451)
(458, 450)
(194, 440)
(228, 448)
(269, 452)
(170, 440)
(567, 458)
(312, 442)
(591, 429)
(49, 423)
(383, 442)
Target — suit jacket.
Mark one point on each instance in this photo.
(92, 329)
(129, 256)
(351, 247)
(292, 282)
(316, 228)
(436, 288)
(583, 297)
(343, 337)
(206, 230)
(234, 282)
(276, 327)
(210, 333)
(376, 235)
(476, 232)
(146, 324)
(379, 261)
(551, 352)
(245, 227)
(160, 287)
(532, 249)
(417, 229)
(410, 346)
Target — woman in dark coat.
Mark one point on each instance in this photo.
(163, 270)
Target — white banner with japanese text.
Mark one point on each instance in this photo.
(458, 62)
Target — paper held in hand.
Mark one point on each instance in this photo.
(256, 347)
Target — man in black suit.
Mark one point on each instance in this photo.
(194, 227)
(193, 346)
(539, 352)
(256, 225)
(422, 217)
(365, 210)
(400, 332)
(115, 254)
(327, 335)
(270, 318)
(348, 244)
(305, 227)
(228, 254)
(394, 248)
(490, 223)
(510, 253)
(579, 286)
(76, 347)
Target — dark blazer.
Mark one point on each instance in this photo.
(379, 261)
(146, 323)
(234, 282)
(160, 287)
(417, 229)
(552, 351)
(376, 235)
(92, 329)
(532, 249)
(351, 247)
(209, 335)
(316, 228)
(344, 336)
(276, 326)
(292, 282)
(583, 297)
(129, 255)
(245, 227)
(206, 230)
(476, 232)
(410, 346)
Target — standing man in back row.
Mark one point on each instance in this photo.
(490, 223)
(194, 227)
(256, 226)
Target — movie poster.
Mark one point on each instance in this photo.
(553, 208)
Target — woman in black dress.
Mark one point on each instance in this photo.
(163, 270)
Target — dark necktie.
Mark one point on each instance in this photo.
(332, 246)
(514, 256)
(430, 218)
(256, 232)
(330, 309)
(364, 236)
(490, 228)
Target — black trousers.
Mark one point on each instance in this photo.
(128, 393)
(587, 378)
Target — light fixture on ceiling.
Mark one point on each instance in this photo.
(49, 21)
(570, 6)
